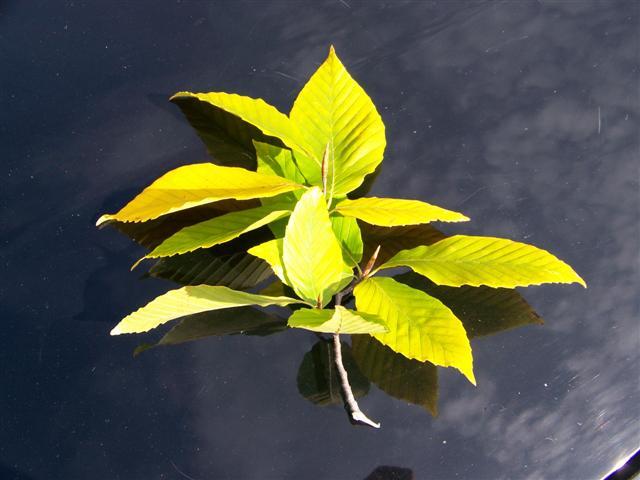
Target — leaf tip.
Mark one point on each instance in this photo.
(117, 330)
(137, 262)
(103, 219)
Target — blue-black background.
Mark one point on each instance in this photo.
(523, 115)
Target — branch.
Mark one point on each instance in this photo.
(350, 404)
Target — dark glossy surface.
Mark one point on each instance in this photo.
(523, 115)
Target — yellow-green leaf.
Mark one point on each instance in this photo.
(394, 212)
(198, 184)
(228, 137)
(311, 253)
(274, 160)
(217, 230)
(348, 234)
(271, 252)
(333, 111)
(495, 262)
(340, 320)
(189, 300)
(420, 326)
(255, 111)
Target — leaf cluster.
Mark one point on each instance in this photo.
(301, 176)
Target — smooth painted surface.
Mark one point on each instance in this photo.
(522, 115)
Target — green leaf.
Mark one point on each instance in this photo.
(339, 320)
(348, 234)
(333, 111)
(198, 184)
(152, 233)
(311, 254)
(495, 262)
(318, 381)
(217, 230)
(254, 111)
(408, 380)
(420, 326)
(273, 160)
(278, 161)
(394, 239)
(228, 138)
(189, 300)
(393, 212)
(238, 271)
(482, 310)
(271, 252)
(241, 320)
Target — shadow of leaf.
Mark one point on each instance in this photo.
(243, 320)
(409, 380)
(318, 379)
(483, 310)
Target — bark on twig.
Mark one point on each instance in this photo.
(356, 416)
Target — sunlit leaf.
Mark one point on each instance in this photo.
(482, 310)
(333, 110)
(254, 111)
(152, 233)
(271, 252)
(198, 184)
(217, 230)
(311, 254)
(318, 379)
(348, 234)
(245, 320)
(189, 300)
(338, 320)
(273, 160)
(495, 262)
(393, 212)
(409, 380)
(420, 326)
(394, 239)
(238, 271)
(228, 138)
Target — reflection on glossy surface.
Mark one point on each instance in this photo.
(523, 115)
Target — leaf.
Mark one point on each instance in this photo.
(152, 233)
(273, 160)
(495, 262)
(333, 110)
(394, 239)
(254, 111)
(189, 300)
(318, 380)
(393, 212)
(348, 234)
(271, 252)
(238, 271)
(420, 326)
(198, 184)
(228, 138)
(409, 380)
(339, 320)
(482, 310)
(311, 254)
(278, 161)
(217, 230)
(244, 320)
